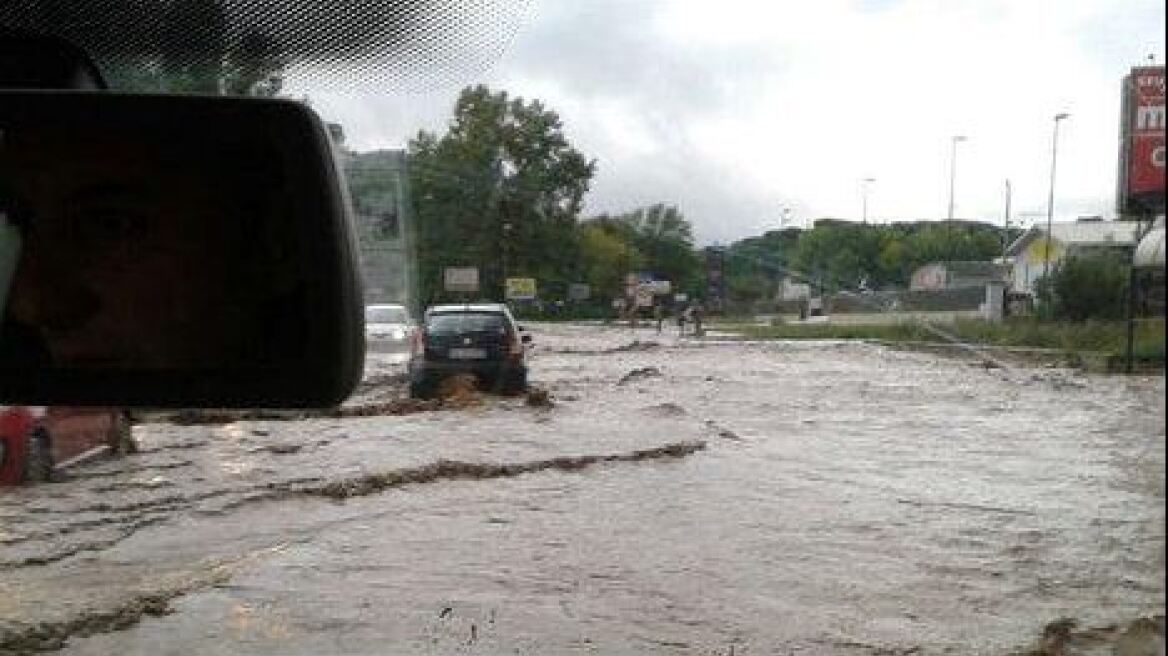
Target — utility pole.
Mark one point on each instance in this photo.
(949, 250)
(866, 181)
(781, 272)
(953, 171)
(1050, 202)
(1006, 221)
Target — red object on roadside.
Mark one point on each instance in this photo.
(35, 440)
(16, 423)
(418, 342)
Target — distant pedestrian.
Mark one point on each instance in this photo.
(681, 322)
(696, 316)
(659, 315)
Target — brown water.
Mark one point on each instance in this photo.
(850, 500)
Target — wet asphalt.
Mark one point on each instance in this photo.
(678, 496)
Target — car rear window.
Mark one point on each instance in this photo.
(466, 322)
(385, 315)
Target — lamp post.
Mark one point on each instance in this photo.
(866, 181)
(1006, 221)
(781, 272)
(949, 248)
(953, 170)
(1050, 201)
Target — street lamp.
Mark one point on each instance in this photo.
(866, 181)
(953, 170)
(1050, 200)
(1006, 220)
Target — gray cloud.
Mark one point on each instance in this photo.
(609, 50)
(754, 113)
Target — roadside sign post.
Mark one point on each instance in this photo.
(520, 289)
(658, 287)
(464, 280)
(644, 298)
(579, 291)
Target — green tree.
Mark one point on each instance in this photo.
(606, 254)
(845, 253)
(894, 262)
(754, 266)
(501, 190)
(664, 237)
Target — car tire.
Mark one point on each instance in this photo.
(122, 440)
(495, 383)
(38, 459)
(515, 382)
(421, 389)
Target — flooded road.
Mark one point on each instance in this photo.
(677, 497)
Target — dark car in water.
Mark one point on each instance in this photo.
(481, 339)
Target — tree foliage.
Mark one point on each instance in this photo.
(210, 60)
(606, 254)
(664, 238)
(501, 190)
(1089, 286)
(845, 255)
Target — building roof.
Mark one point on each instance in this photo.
(1081, 233)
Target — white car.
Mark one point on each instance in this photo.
(388, 324)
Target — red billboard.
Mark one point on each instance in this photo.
(1142, 149)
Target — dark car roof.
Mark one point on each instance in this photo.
(468, 307)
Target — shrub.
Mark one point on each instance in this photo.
(1087, 287)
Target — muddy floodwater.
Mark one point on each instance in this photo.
(677, 496)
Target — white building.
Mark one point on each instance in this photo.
(790, 290)
(1028, 253)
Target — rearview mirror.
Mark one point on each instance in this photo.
(173, 251)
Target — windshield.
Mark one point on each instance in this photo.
(465, 322)
(824, 333)
(381, 314)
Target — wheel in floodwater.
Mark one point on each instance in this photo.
(514, 382)
(421, 389)
(121, 436)
(38, 460)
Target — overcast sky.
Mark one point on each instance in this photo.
(736, 110)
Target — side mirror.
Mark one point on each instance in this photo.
(173, 251)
